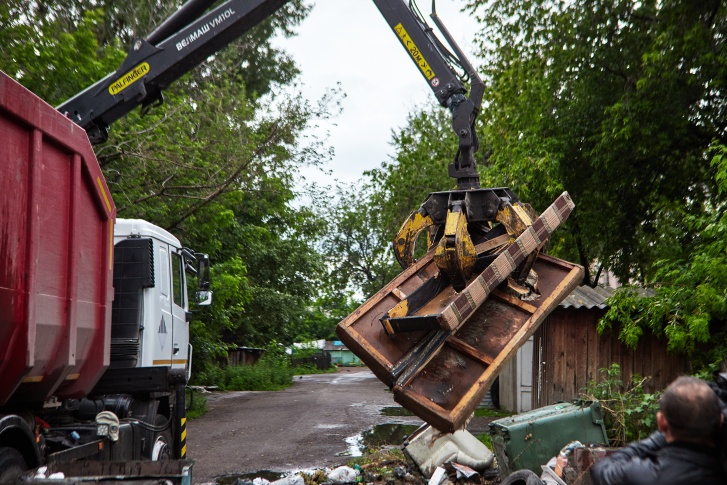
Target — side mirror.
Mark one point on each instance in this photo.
(203, 296)
(203, 272)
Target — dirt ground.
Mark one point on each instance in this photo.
(303, 427)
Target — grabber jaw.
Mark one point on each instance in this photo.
(458, 223)
(455, 254)
(406, 238)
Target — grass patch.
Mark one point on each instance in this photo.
(196, 404)
(492, 413)
(270, 373)
(379, 461)
(273, 372)
(305, 369)
(486, 439)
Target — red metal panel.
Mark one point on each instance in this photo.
(56, 244)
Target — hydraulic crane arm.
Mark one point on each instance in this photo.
(437, 65)
(189, 36)
(177, 46)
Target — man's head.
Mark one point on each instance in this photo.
(689, 412)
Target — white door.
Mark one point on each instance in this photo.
(525, 376)
(179, 326)
(163, 325)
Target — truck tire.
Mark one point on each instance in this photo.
(161, 448)
(12, 465)
(522, 477)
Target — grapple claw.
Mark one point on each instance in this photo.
(455, 254)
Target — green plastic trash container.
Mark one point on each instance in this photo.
(529, 440)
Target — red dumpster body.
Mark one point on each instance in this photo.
(56, 244)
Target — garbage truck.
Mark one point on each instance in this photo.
(95, 313)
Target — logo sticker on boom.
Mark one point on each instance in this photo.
(414, 51)
(129, 78)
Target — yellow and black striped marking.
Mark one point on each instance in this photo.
(183, 438)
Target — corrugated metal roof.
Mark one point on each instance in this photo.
(587, 297)
(334, 345)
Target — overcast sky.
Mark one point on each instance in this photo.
(348, 41)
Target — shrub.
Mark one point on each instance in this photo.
(196, 404)
(271, 373)
(628, 411)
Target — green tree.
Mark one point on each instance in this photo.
(688, 303)
(359, 252)
(615, 102)
(51, 61)
(216, 165)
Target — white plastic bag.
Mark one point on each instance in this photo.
(343, 474)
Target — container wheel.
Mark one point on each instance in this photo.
(522, 477)
(12, 465)
(161, 448)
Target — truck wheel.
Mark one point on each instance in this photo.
(522, 477)
(12, 465)
(161, 448)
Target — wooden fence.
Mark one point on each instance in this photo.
(568, 353)
(243, 356)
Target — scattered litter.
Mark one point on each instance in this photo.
(438, 476)
(40, 474)
(463, 471)
(429, 448)
(343, 474)
(549, 476)
(290, 480)
(203, 389)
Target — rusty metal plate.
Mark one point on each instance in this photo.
(441, 377)
(446, 388)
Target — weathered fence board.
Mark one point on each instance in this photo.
(569, 353)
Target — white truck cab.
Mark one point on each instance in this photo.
(150, 313)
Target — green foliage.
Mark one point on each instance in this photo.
(424, 148)
(196, 404)
(306, 369)
(616, 102)
(52, 62)
(486, 439)
(368, 214)
(688, 304)
(216, 165)
(359, 253)
(629, 412)
(302, 361)
(271, 373)
(378, 461)
(492, 413)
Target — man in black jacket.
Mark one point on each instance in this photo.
(681, 452)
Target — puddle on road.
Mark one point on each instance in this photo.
(377, 436)
(395, 411)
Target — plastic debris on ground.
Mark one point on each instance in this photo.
(343, 474)
(438, 476)
(290, 480)
(429, 449)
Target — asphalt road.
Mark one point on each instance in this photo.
(302, 427)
